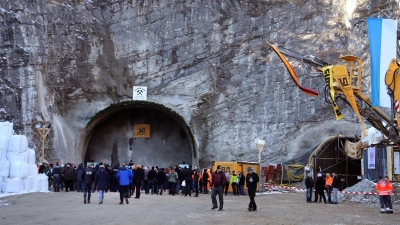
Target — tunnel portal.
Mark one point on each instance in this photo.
(113, 139)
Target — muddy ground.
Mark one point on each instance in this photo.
(287, 208)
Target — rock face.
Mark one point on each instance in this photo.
(62, 62)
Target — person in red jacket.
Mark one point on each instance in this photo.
(217, 183)
(385, 188)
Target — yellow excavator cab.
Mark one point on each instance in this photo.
(392, 77)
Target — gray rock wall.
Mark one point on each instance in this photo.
(63, 61)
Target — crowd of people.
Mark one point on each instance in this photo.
(129, 179)
(330, 185)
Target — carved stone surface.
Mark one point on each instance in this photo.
(63, 61)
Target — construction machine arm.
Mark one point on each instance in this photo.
(352, 80)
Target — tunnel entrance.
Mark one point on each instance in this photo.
(112, 138)
(331, 157)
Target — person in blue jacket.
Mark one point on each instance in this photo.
(124, 177)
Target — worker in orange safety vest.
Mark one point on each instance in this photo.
(328, 186)
(385, 188)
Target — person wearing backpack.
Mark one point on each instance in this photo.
(234, 182)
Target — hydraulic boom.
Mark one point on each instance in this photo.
(345, 82)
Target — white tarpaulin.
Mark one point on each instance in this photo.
(3, 185)
(28, 184)
(14, 185)
(16, 157)
(33, 170)
(36, 184)
(371, 158)
(19, 169)
(4, 168)
(26, 156)
(18, 143)
(44, 183)
(4, 142)
(6, 129)
(31, 156)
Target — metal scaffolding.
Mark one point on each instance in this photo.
(331, 157)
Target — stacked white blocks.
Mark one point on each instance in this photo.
(18, 172)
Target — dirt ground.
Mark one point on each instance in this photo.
(287, 208)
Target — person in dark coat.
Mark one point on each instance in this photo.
(79, 182)
(309, 182)
(114, 181)
(151, 176)
(242, 181)
(188, 181)
(138, 175)
(68, 173)
(101, 182)
(251, 182)
(88, 178)
(56, 171)
(161, 179)
(108, 169)
(335, 187)
(196, 176)
(205, 181)
(319, 189)
(132, 185)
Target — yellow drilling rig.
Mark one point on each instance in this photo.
(344, 81)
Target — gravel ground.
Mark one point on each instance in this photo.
(283, 208)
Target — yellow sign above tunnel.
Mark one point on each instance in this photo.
(141, 130)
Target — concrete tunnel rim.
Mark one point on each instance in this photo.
(116, 107)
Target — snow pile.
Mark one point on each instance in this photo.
(18, 172)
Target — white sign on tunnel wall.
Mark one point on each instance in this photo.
(140, 93)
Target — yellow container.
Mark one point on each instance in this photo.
(237, 167)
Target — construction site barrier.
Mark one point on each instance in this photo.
(303, 189)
